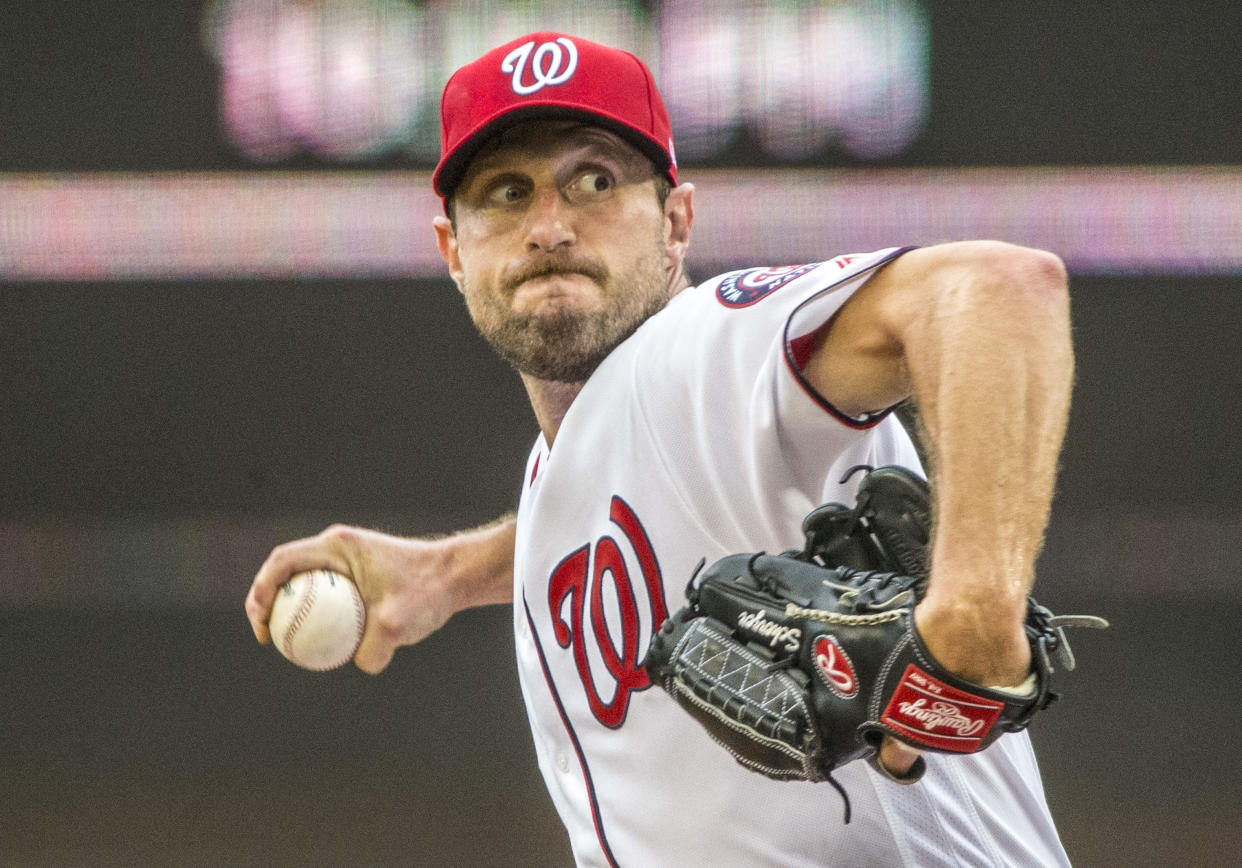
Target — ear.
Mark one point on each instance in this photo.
(678, 217)
(446, 241)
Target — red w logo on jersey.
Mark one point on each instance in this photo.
(582, 579)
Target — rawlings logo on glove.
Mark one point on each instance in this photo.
(802, 662)
(934, 714)
(834, 664)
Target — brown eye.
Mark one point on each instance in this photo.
(505, 194)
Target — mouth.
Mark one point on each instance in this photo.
(551, 274)
(558, 291)
(557, 277)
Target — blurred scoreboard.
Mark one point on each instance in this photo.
(233, 84)
(359, 80)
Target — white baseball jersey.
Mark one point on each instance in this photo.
(697, 438)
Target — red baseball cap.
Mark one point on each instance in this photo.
(550, 75)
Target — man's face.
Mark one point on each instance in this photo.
(560, 247)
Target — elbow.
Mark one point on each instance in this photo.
(1022, 275)
(1006, 283)
(1042, 275)
(1040, 283)
(1027, 301)
(1021, 293)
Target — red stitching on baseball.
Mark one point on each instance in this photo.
(360, 616)
(300, 615)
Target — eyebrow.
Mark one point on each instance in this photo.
(614, 145)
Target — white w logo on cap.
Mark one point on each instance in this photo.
(550, 65)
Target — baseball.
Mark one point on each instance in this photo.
(317, 619)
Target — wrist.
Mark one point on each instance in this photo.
(984, 644)
(432, 560)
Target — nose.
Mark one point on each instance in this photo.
(549, 222)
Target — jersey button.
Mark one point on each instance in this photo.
(562, 762)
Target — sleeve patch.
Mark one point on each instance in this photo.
(744, 288)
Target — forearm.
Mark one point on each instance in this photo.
(478, 564)
(991, 364)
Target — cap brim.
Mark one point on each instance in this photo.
(453, 169)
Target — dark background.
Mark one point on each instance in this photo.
(141, 725)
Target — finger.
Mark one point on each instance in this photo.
(312, 553)
(258, 613)
(374, 654)
(897, 757)
(377, 647)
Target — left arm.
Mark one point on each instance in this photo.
(979, 333)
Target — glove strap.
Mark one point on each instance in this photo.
(923, 710)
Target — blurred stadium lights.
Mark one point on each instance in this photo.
(355, 79)
(801, 75)
(265, 224)
(343, 80)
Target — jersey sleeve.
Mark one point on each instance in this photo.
(738, 423)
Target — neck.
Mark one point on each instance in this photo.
(550, 401)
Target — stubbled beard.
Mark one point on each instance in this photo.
(567, 346)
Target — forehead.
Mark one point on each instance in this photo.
(553, 139)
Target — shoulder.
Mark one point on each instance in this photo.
(741, 319)
(746, 287)
(748, 298)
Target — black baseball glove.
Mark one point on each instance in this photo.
(801, 662)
